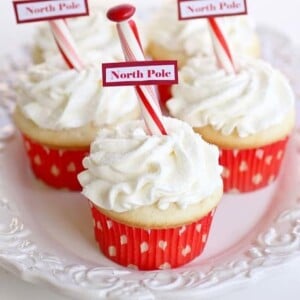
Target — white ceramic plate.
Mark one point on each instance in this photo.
(46, 236)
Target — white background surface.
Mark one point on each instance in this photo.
(282, 283)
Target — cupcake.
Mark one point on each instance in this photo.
(93, 35)
(170, 38)
(58, 113)
(149, 194)
(248, 115)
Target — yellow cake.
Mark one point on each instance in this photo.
(59, 111)
(248, 115)
(151, 192)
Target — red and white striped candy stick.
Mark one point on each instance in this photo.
(133, 51)
(66, 44)
(221, 47)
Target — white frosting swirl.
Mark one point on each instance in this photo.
(128, 169)
(55, 97)
(192, 37)
(95, 36)
(254, 99)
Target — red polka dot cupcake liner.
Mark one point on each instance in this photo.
(150, 249)
(251, 169)
(57, 168)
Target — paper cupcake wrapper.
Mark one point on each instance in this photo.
(56, 167)
(150, 249)
(251, 169)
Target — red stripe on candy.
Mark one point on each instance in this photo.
(129, 54)
(219, 35)
(136, 33)
(67, 61)
(133, 51)
(67, 50)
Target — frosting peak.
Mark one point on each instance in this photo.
(56, 98)
(254, 99)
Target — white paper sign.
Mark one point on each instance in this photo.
(140, 73)
(210, 8)
(40, 10)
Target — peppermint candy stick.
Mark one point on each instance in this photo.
(130, 41)
(221, 47)
(133, 51)
(66, 44)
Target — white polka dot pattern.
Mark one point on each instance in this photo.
(247, 170)
(61, 152)
(236, 152)
(182, 230)
(46, 149)
(271, 179)
(123, 239)
(220, 153)
(71, 167)
(165, 266)
(162, 245)
(37, 160)
(185, 251)
(56, 167)
(99, 226)
(109, 224)
(268, 159)
(279, 155)
(226, 173)
(112, 251)
(55, 171)
(134, 267)
(234, 191)
(198, 228)
(27, 146)
(243, 166)
(257, 179)
(144, 247)
(259, 153)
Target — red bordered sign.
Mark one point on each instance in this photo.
(194, 9)
(41, 10)
(140, 73)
